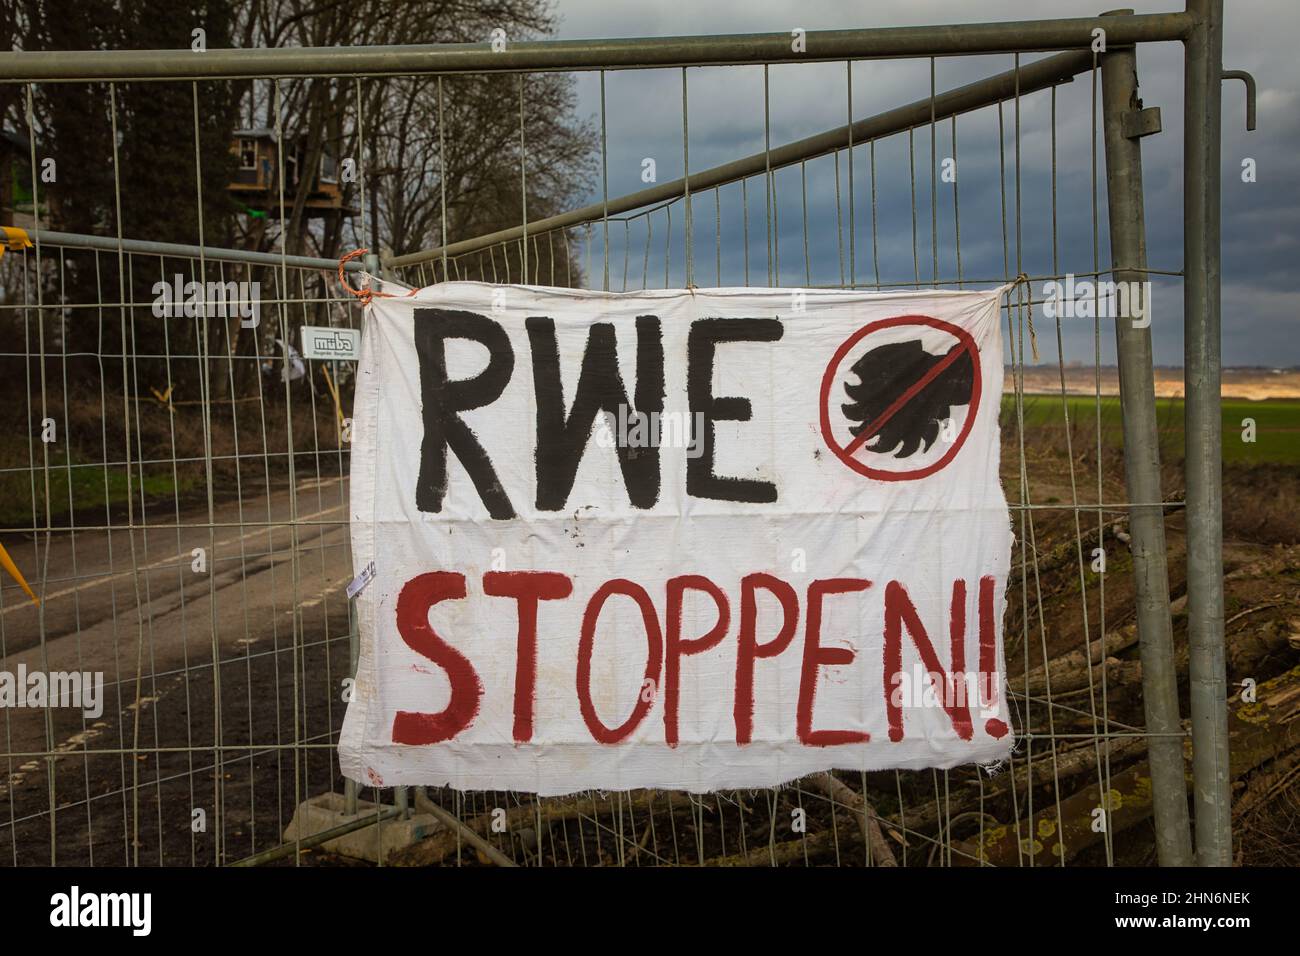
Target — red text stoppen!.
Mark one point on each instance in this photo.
(667, 649)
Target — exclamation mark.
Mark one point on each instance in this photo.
(989, 656)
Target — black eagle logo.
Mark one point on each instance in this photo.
(885, 373)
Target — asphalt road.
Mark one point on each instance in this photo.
(270, 604)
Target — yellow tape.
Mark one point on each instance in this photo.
(164, 398)
(8, 564)
(338, 405)
(16, 238)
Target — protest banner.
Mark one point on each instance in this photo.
(697, 539)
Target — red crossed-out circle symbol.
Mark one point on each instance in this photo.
(848, 453)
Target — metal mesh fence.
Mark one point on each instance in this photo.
(176, 491)
(186, 526)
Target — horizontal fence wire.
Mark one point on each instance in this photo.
(178, 492)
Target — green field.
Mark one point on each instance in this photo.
(1277, 441)
(86, 495)
(1277, 425)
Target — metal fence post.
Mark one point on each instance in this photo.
(1204, 469)
(1122, 120)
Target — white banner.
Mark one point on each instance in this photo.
(695, 539)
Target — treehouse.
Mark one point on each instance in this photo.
(256, 186)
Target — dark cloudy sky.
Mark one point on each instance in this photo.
(1261, 294)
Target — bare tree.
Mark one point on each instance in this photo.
(406, 146)
(389, 126)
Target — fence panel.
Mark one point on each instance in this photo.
(176, 486)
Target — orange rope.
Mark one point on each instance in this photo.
(365, 295)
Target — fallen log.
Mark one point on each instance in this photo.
(1070, 671)
(788, 851)
(1066, 765)
(868, 825)
(437, 847)
(1071, 763)
(1257, 732)
(1266, 784)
